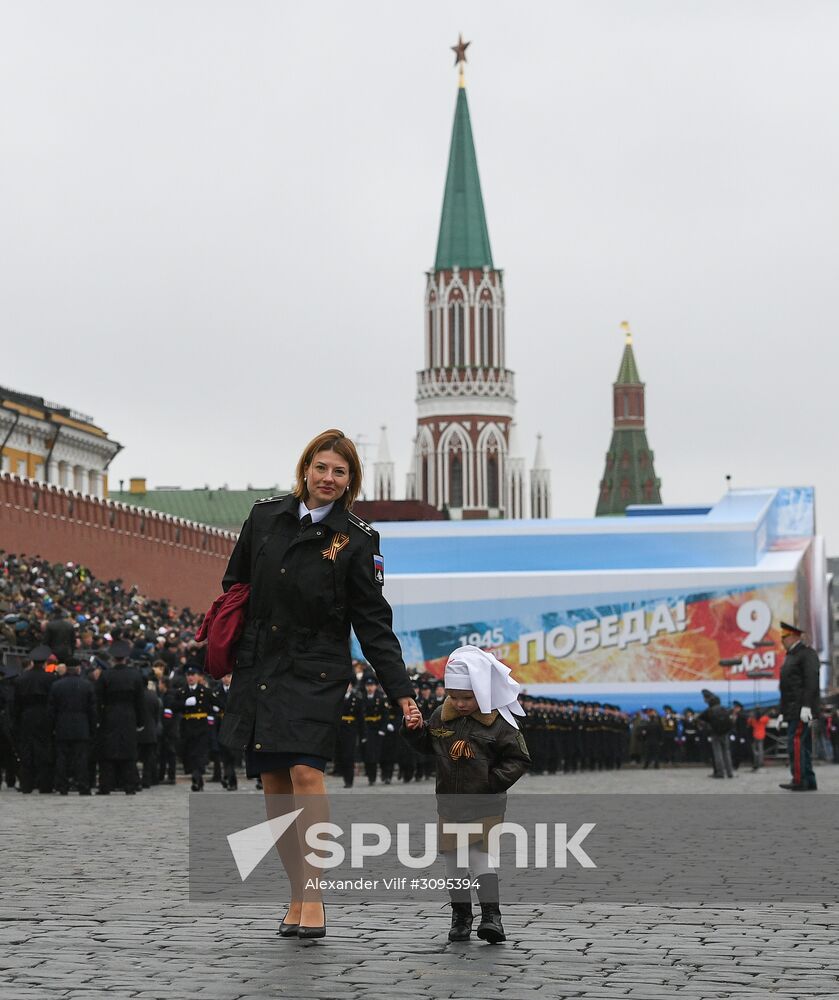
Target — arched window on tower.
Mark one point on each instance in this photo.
(432, 309)
(492, 480)
(457, 331)
(487, 352)
(424, 479)
(456, 479)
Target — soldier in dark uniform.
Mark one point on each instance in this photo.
(623, 736)
(8, 752)
(669, 726)
(147, 738)
(653, 732)
(229, 757)
(739, 735)
(574, 737)
(99, 662)
(426, 702)
(72, 712)
(599, 736)
(588, 738)
(563, 728)
(552, 755)
(60, 635)
(349, 733)
(373, 728)
(537, 736)
(692, 738)
(33, 738)
(196, 706)
(439, 694)
(608, 737)
(390, 741)
(119, 697)
(799, 685)
(167, 754)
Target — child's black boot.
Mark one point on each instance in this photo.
(462, 917)
(490, 928)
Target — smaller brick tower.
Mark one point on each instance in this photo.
(630, 476)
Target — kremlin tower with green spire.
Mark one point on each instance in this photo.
(630, 476)
(465, 393)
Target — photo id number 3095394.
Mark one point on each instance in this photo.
(445, 883)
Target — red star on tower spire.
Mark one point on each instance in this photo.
(460, 56)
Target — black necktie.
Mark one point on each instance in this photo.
(305, 521)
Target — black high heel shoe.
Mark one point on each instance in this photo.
(305, 931)
(287, 930)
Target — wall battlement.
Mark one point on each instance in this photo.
(164, 556)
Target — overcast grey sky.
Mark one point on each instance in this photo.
(216, 219)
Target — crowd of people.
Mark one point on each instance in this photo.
(102, 688)
(566, 736)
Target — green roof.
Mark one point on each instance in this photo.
(221, 508)
(463, 239)
(628, 373)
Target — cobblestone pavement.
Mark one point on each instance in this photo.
(94, 903)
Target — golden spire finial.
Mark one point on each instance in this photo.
(460, 58)
(627, 332)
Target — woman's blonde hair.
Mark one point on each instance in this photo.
(331, 440)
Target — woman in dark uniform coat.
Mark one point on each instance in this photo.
(314, 570)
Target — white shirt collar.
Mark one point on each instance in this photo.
(318, 514)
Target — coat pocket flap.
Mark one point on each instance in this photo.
(321, 669)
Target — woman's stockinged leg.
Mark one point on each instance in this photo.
(310, 796)
(278, 789)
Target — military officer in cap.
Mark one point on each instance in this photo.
(148, 736)
(374, 720)
(799, 687)
(229, 757)
(72, 711)
(348, 734)
(390, 741)
(551, 735)
(739, 735)
(692, 737)
(170, 732)
(426, 702)
(32, 724)
(121, 704)
(196, 706)
(669, 732)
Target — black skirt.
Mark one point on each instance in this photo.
(258, 761)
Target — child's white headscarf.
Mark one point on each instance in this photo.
(472, 669)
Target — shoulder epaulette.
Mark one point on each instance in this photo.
(271, 499)
(354, 519)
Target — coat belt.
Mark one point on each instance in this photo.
(195, 715)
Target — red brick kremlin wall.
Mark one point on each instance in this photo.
(164, 556)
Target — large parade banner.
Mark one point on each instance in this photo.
(627, 639)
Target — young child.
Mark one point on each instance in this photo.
(479, 753)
